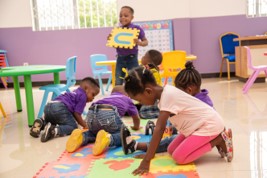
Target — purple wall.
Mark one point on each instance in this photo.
(205, 33)
(54, 47)
(198, 36)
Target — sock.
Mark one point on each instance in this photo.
(135, 145)
(129, 140)
(56, 131)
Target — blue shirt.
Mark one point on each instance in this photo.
(75, 101)
(134, 50)
(123, 103)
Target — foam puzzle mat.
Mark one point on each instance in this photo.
(113, 163)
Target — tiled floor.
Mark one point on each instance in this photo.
(22, 156)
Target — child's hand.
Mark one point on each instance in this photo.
(109, 36)
(140, 156)
(136, 41)
(135, 128)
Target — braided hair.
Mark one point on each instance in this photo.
(137, 80)
(188, 77)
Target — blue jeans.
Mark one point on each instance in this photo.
(108, 120)
(163, 145)
(128, 62)
(58, 114)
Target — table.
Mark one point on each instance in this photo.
(27, 71)
(112, 63)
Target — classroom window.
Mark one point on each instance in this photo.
(256, 8)
(73, 14)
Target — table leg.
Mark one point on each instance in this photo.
(56, 78)
(29, 99)
(113, 68)
(17, 93)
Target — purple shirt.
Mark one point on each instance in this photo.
(75, 101)
(123, 103)
(126, 51)
(203, 96)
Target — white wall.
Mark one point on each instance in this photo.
(146, 10)
(210, 8)
(17, 13)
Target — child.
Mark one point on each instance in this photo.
(104, 122)
(200, 126)
(188, 80)
(151, 60)
(63, 113)
(127, 58)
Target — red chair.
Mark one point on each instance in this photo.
(3, 64)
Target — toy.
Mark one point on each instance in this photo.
(123, 37)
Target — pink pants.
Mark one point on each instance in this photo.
(187, 149)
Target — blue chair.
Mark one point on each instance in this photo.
(99, 71)
(57, 89)
(227, 46)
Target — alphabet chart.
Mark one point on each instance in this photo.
(159, 35)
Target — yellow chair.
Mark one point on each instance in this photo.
(172, 63)
(227, 47)
(2, 110)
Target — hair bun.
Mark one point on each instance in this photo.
(189, 65)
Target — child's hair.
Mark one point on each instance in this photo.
(155, 57)
(137, 79)
(188, 77)
(128, 7)
(90, 81)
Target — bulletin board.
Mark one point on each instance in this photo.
(159, 35)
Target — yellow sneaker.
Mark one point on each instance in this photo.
(101, 143)
(75, 140)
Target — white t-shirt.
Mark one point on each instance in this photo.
(192, 116)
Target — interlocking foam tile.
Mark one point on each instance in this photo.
(114, 164)
(123, 37)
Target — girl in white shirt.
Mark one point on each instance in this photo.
(200, 126)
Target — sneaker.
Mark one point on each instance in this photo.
(101, 143)
(228, 139)
(75, 140)
(128, 144)
(36, 128)
(149, 128)
(48, 133)
(221, 152)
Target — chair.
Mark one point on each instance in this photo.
(255, 71)
(3, 63)
(172, 63)
(2, 110)
(99, 71)
(227, 47)
(57, 89)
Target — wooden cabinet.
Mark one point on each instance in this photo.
(258, 45)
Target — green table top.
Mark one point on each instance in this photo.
(30, 70)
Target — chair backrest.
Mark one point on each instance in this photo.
(2, 60)
(71, 71)
(97, 58)
(249, 59)
(173, 62)
(227, 45)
